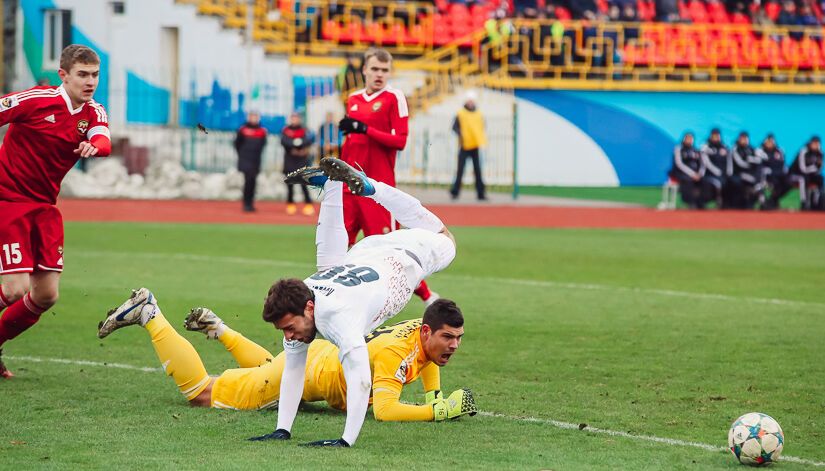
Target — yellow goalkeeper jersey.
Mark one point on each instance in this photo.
(396, 358)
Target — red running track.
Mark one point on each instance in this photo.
(229, 212)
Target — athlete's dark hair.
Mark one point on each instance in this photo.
(77, 54)
(287, 296)
(442, 312)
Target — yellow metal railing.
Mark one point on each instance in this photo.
(630, 56)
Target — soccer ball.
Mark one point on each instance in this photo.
(756, 439)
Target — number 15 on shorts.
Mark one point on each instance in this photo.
(12, 254)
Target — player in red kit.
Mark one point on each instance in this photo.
(50, 128)
(376, 129)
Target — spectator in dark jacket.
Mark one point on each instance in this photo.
(776, 174)
(249, 143)
(719, 167)
(526, 8)
(807, 170)
(787, 17)
(667, 11)
(688, 169)
(584, 9)
(297, 142)
(748, 174)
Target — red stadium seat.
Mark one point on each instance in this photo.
(646, 10)
(740, 19)
(717, 13)
(563, 14)
(697, 11)
(458, 10)
(331, 30)
(772, 10)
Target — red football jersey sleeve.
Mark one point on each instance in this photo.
(38, 150)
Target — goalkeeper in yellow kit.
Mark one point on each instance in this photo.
(398, 355)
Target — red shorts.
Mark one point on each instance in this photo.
(31, 238)
(365, 214)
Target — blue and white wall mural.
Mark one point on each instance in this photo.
(594, 138)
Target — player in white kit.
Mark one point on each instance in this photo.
(352, 292)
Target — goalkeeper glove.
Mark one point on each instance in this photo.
(339, 443)
(458, 403)
(432, 396)
(279, 434)
(349, 125)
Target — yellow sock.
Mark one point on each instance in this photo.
(247, 353)
(178, 357)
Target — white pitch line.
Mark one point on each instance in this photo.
(534, 420)
(512, 281)
(121, 366)
(648, 438)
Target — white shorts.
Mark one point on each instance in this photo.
(432, 251)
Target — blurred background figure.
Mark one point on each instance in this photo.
(806, 170)
(469, 126)
(329, 137)
(297, 142)
(688, 169)
(748, 174)
(349, 78)
(718, 167)
(776, 174)
(249, 143)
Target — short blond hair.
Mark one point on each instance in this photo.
(381, 54)
(77, 54)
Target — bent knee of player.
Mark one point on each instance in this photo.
(204, 399)
(15, 286)
(13, 293)
(380, 414)
(45, 297)
(449, 234)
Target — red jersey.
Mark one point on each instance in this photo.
(44, 131)
(386, 114)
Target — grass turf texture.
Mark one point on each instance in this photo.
(648, 196)
(629, 360)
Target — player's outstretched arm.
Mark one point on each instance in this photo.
(386, 390)
(356, 363)
(292, 388)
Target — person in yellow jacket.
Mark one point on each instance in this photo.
(399, 354)
(469, 126)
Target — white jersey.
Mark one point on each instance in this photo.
(369, 287)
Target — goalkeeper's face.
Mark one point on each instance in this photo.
(440, 345)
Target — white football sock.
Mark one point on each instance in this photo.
(405, 208)
(331, 238)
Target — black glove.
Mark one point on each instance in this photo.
(339, 443)
(349, 125)
(279, 434)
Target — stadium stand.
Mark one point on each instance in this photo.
(716, 46)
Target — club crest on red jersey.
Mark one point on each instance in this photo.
(376, 106)
(82, 126)
(7, 103)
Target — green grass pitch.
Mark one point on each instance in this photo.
(655, 333)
